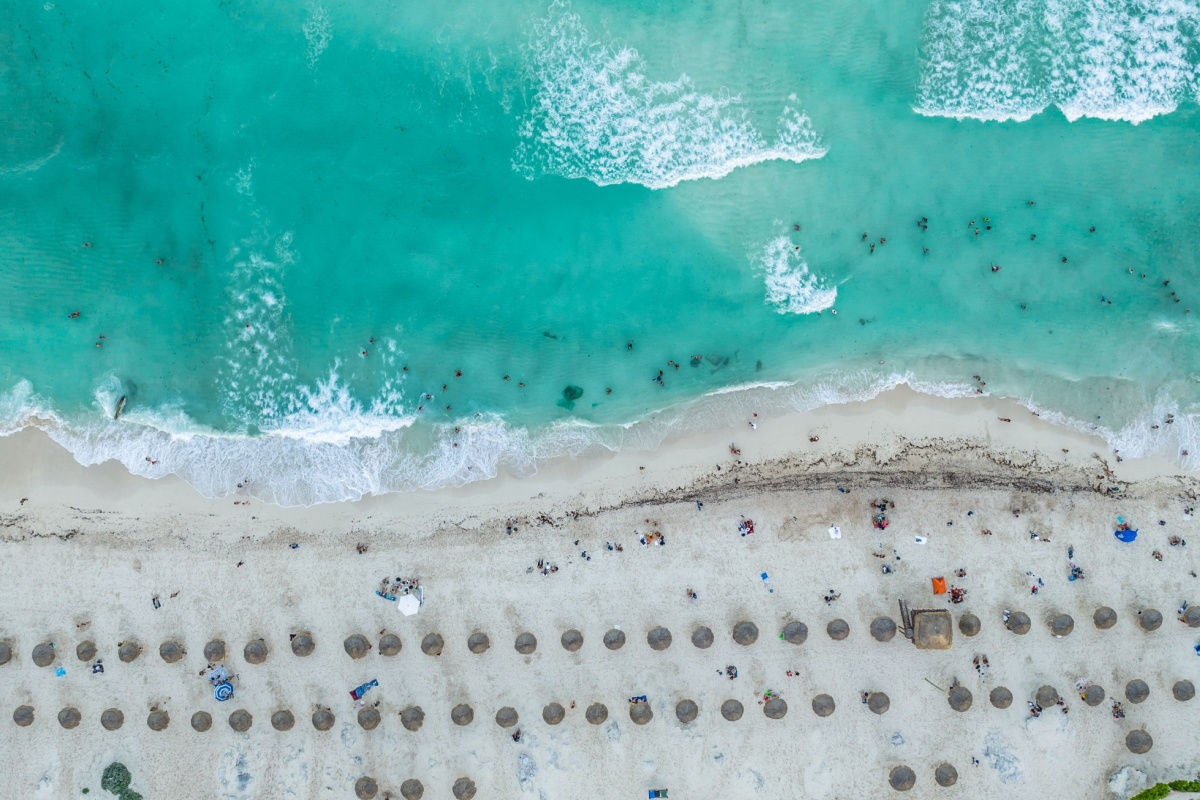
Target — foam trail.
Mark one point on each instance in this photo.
(791, 288)
(596, 115)
(34, 164)
(318, 32)
(1127, 60)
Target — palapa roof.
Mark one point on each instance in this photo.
(932, 629)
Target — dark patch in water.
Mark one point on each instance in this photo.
(570, 395)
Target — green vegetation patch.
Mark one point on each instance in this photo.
(116, 778)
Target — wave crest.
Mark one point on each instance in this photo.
(596, 115)
(1125, 60)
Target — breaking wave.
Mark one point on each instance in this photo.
(1128, 60)
(791, 288)
(596, 114)
(339, 451)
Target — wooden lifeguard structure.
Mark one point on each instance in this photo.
(927, 629)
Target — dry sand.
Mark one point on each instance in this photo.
(88, 548)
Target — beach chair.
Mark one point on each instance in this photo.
(657, 793)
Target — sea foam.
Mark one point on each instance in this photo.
(346, 453)
(1125, 60)
(791, 288)
(596, 114)
(318, 32)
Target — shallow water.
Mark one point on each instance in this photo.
(352, 204)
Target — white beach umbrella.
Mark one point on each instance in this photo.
(408, 604)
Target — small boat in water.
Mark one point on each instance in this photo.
(120, 407)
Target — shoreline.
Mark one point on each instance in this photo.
(892, 427)
(291, 468)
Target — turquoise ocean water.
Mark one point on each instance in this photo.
(339, 248)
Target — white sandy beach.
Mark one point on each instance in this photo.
(86, 550)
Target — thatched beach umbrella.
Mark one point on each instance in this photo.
(823, 705)
(241, 720)
(795, 632)
(43, 654)
(323, 719)
(432, 644)
(412, 718)
(553, 713)
(365, 788)
(357, 646)
(462, 714)
(1001, 697)
(1136, 690)
(282, 720)
(571, 640)
(255, 652)
(69, 717)
(1093, 695)
(85, 651)
(1150, 619)
(128, 650)
(1139, 742)
(506, 717)
(463, 789)
(302, 644)
(1018, 623)
(614, 639)
(215, 650)
(731, 710)
(640, 713)
(775, 708)
(478, 642)
(23, 716)
(959, 698)
(1191, 617)
(1183, 691)
(1062, 625)
(158, 720)
(526, 643)
(902, 778)
(1046, 696)
(968, 624)
(745, 633)
(596, 713)
(878, 702)
(170, 651)
(5, 653)
(201, 721)
(412, 789)
(1104, 618)
(368, 718)
(686, 711)
(883, 629)
(659, 638)
(112, 719)
(389, 644)
(945, 775)
(702, 637)
(838, 629)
